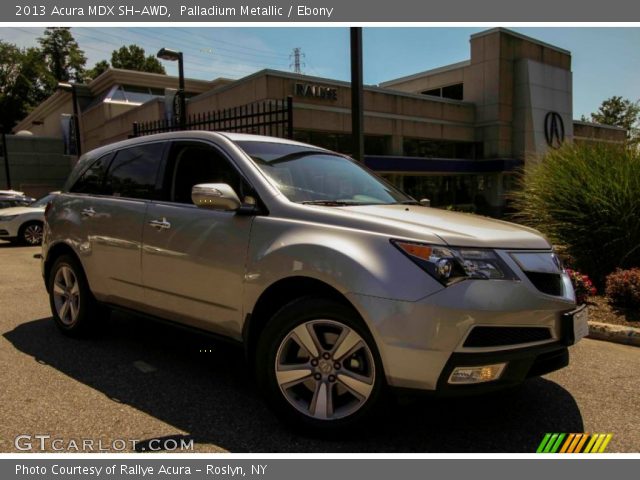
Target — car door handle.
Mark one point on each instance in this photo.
(88, 212)
(160, 224)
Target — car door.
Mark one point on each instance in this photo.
(114, 220)
(193, 259)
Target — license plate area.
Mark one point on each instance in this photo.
(575, 325)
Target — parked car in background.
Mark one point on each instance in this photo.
(24, 223)
(338, 285)
(11, 200)
(14, 193)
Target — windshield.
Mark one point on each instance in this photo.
(42, 202)
(306, 175)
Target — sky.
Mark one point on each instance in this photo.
(605, 61)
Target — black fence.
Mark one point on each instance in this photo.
(269, 117)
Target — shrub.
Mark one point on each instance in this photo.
(582, 285)
(586, 198)
(623, 288)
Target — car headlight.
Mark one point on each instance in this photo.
(6, 218)
(449, 265)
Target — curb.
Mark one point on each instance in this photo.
(614, 333)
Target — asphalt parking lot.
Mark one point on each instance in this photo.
(140, 380)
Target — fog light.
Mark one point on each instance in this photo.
(478, 374)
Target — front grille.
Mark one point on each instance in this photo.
(549, 283)
(503, 336)
(4, 232)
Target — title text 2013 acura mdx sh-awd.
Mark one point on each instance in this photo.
(338, 285)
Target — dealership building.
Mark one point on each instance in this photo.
(457, 134)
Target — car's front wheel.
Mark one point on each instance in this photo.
(31, 233)
(318, 366)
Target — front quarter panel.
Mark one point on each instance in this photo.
(350, 260)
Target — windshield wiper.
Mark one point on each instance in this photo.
(329, 203)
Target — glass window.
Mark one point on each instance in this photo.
(434, 92)
(454, 92)
(422, 147)
(42, 202)
(133, 172)
(307, 175)
(194, 163)
(92, 179)
(343, 142)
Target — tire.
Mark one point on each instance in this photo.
(67, 284)
(340, 379)
(31, 233)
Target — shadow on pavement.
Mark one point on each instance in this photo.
(211, 396)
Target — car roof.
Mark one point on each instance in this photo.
(195, 134)
(14, 197)
(11, 193)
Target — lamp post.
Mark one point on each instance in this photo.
(173, 55)
(6, 158)
(71, 88)
(357, 114)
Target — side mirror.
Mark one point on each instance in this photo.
(215, 196)
(425, 202)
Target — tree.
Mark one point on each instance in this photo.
(24, 82)
(62, 54)
(133, 58)
(620, 112)
(99, 68)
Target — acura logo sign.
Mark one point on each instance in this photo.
(553, 129)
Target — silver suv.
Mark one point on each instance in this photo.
(337, 284)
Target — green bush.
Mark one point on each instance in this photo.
(587, 199)
(623, 288)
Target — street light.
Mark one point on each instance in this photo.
(71, 88)
(172, 56)
(357, 95)
(5, 155)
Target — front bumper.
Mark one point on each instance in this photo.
(521, 363)
(420, 343)
(8, 230)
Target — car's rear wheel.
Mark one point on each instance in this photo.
(31, 233)
(318, 366)
(74, 309)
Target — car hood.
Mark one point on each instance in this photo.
(4, 212)
(454, 228)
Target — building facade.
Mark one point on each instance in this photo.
(455, 134)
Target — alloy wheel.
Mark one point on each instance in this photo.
(66, 295)
(33, 234)
(325, 369)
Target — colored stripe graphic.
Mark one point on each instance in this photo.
(555, 447)
(567, 443)
(574, 443)
(543, 443)
(599, 440)
(592, 440)
(550, 443)
(581, 443)
(605, 443)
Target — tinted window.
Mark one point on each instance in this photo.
(91, 180)
(133, 172)
(42, 202)
(306, 175)
(194, 163)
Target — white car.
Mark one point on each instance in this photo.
(24, 224)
